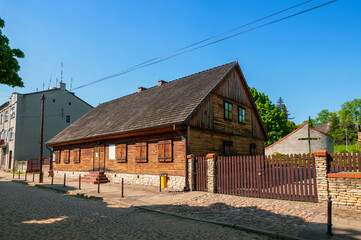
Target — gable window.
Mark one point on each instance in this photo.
(227, 111)
(165, 151)
(141, 152)
(65, 156)
(121, 153)
(75, 155)
(241, 115)
(57, 156)
(67, 119)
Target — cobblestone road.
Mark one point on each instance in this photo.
(32, 213)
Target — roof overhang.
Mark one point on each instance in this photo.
(125, 134)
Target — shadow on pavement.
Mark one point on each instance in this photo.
(59, 216)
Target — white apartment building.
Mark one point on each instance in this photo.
(20, 123)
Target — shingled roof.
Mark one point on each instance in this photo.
(171, 103)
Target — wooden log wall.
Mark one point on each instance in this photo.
(152, 166)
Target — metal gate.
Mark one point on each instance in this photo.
(290, 177)
(200, 174)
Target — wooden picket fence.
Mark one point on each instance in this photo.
(345, 162)
(290, 177)
(201, 174)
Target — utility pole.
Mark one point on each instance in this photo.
(346, 141)
(41, 139)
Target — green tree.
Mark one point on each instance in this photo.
(324, 117)
(273, 117)
(291, 126)
(351, 110)
(9, 66)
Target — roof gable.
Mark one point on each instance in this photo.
(170, 103)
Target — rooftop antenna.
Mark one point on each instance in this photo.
(43, 86)
(49, 81)
(61, 73)
(71, 83)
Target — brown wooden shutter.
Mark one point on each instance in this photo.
(165, 151)
(121, 153)
(66, 156)
(141, 152)
(76, 155)
(57, 156)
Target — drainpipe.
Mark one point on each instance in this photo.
(51, 157)
(186, 187)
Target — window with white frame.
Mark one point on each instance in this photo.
(11, 134)
(12, 114)
(6, 115)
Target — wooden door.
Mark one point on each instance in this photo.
(99, 159)
(96, 159)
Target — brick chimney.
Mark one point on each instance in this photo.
(141, 89)
(161, 82)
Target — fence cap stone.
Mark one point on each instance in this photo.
(190, 156)
(321, 153)
(211, 155)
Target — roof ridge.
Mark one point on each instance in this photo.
(170, 82)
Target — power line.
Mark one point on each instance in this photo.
(171, 54)
(215, 36)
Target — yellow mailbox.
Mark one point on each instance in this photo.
(163, 181)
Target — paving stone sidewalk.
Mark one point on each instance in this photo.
(297, 219)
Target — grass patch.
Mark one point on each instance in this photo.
(17, 172)
(342, 148)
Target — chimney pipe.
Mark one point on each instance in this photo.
(141, 89)
(161, 82)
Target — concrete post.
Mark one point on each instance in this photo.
(211, 172)
(321, 175)
(191, 172)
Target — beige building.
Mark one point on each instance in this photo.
(20, 123)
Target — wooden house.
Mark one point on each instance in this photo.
(142, 135)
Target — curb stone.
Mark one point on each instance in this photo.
(225, 224)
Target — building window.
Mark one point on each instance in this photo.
(141, 152)
(6, 115)
(75, 155)
(165, 151)
(57, 156)
(65, 156)
(1, 118)
(53, 100)
(67, 119)
(69, 103)
(121, 153)
(227, 111)
(253, 149)
(241, 115)
(11, 134)
(227, 148)
(12, 114)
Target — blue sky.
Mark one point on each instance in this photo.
(312, 61)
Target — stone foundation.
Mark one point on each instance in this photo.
(175, 183)
(345, 189)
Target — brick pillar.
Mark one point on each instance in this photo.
(211, 172)
(191, 172)
(321, 175)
